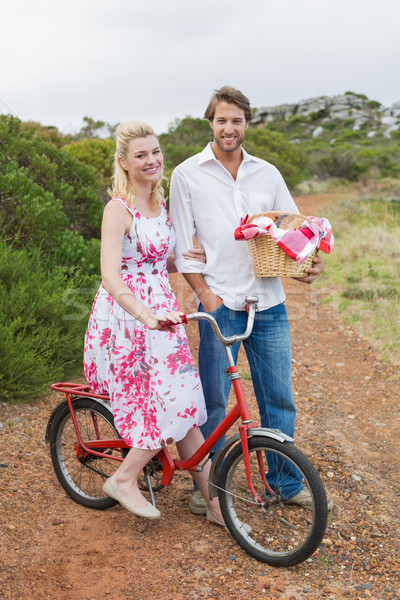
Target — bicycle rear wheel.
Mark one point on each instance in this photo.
(282, 534)
(83, 477)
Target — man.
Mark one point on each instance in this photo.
(209, 194)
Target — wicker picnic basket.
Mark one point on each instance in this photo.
(268, 259)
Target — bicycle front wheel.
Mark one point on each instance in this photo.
(282, 534)
(82, 477)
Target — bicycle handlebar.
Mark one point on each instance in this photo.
(251, 306)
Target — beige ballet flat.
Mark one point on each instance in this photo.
(148, 512)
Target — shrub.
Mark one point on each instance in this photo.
(187, 132)
(49, 133)
(297, 119)
(317, 115)
(372, 104)
(41, 329)
(97, 154)
(50, 214)
(39, 182)
(274, 148)
(174, 154)
(335, 164)
(361, 96)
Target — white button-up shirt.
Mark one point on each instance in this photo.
(207, 203)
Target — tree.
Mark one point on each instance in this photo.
(96, 129)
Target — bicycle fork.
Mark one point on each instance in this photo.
(260, 461)
(246, 424)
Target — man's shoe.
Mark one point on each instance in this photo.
(197, 504)
(304, 500)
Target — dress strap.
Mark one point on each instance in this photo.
(124, 202)
(132, 209)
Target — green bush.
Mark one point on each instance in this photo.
(29, 216)
(50, 215)
(273, 147)
(97, 154)
(339, 164)
(174, 155)
(44, 317)
(349, 135)
(317, 115)
(33, 171)
(188, 132)
(49, 133)
(295, 119)
(388, 163)
(329, 125)
(361, 96)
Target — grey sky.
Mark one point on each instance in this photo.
(159, 60)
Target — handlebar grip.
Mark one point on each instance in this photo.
(165, 324)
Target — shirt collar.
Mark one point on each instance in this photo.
(207, 154)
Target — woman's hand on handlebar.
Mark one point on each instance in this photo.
(172, 317)
(155, 321)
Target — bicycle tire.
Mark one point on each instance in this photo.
(83, 478)
(282, 534)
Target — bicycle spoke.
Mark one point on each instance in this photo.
(281, 533)
(83, 476)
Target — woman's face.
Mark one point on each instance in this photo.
(144, 160)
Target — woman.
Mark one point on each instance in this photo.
(149, 373)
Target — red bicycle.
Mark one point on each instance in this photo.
(248, 474)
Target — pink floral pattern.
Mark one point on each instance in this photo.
(150, 376)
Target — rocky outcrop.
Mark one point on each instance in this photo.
(356, 108)
(391, 118)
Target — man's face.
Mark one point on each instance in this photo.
(229, 126)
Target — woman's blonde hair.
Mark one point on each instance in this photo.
(121, 184)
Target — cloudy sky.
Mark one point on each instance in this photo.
(159, 60)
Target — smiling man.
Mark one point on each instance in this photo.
(210, 192)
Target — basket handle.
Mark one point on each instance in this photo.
(276, 215)
(280, 219)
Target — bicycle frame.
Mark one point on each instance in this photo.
(83, 448)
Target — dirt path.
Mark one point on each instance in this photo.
(348, 424)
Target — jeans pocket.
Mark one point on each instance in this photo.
(213, 312)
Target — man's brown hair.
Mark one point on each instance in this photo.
(232, 96)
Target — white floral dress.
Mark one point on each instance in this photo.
(151, 377)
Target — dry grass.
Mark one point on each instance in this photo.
(364, 269)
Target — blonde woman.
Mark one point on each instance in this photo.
(149, 373)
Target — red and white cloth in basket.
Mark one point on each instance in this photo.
(298, 243)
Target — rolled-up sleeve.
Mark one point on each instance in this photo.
(181, 214)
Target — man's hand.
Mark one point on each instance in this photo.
(313, 272)
(210, 301)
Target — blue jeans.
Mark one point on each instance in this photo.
(268, 352)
